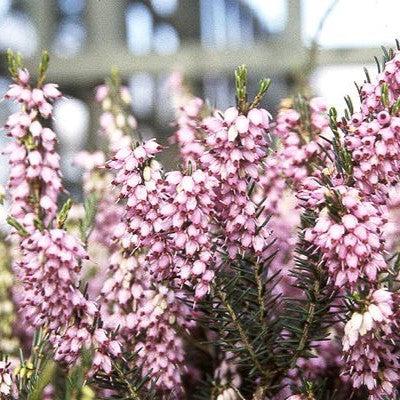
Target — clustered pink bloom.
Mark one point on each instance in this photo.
(287, 169)
(170, 217)
(51, 258)
(134, 299)
(138, 174)
(191, 237)
(369, 347)
(299, 146)
(188, 116)
(122, 292)
(150, 312)
(235, 150)
(50, 269)
(35, 165)
(352, 246)
(161, 351)
(373, 133)
(187, 135)
(104, 348)
(167, 235)
(116, 125)
(371, 92)
(146, 224)
(374, 145)
(354, 237)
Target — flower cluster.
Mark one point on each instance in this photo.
(116, 124)
(236, 148)
(371, 362)
(51, 259)
(35, 166)
(161, 350)
(146, 225)
(187, 134)
(122, 292)
(138, 174)
(373, 133)
(375, 151)
(188, 119)
(191, 237)
(49, 269)
(352, 232)
(299, 147)
(371, 92)
(352, 243)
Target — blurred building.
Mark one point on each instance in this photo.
(205, 39)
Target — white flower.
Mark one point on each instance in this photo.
(375, 312)
(352, 330)
(367, 323)
(227, 394)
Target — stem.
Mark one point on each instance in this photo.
(260, 291)
(307, 323)
(259, 394)
(242, 333)
(133, 393)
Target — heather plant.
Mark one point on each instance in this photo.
(265, 267)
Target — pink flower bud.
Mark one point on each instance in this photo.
(242, 124)
(349, 221)
(51, 91)
(336, 231)
(23, 76)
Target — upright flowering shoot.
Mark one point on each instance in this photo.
(51, 258)
(35, 179)
(349, 225)
(191, 211)
(117, 124)
(300, 128)
(138, 174)
(372, 134)
(236, 148)
(368, 345)
(188, 114)
(350, 237)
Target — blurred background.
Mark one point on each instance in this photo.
(204, 39)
